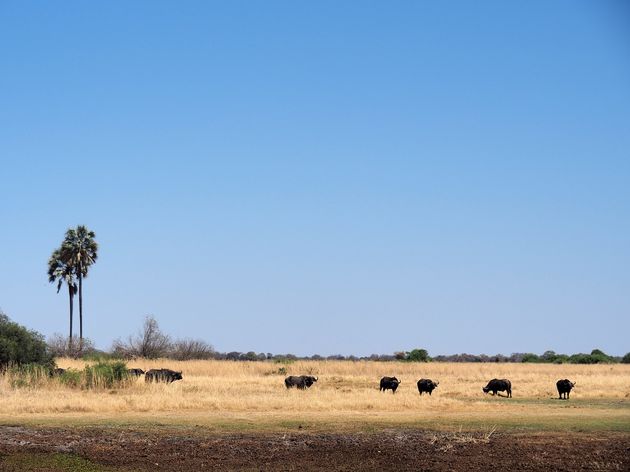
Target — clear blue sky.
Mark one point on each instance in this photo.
(323, 177)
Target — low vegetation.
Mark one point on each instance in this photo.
(151, 343)
(99, 375)
(250, 395)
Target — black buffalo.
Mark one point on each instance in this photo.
(57, 372)
(499, 385)
(135, 372)
(302, 382)
(564, 388)
(389, 383)
(162, 375)
(426, 386)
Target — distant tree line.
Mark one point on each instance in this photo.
(19, 346)
(549, 357)
(421, 355)
(150, 342)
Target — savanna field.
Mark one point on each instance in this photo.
(244, 396)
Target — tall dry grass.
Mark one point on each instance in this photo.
(345, 389)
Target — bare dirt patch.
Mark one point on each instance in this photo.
(191, 449)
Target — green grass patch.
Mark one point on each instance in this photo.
(55, 462)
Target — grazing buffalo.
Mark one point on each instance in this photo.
(389, 383)
(57, 372)
(302, 382)
(426, 386)
(564, 388)
(135, 372)
(162, 375)
(499, 385)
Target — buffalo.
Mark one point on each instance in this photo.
(302, 382)
(135, 372)
(499, 385)
(162, 375)
(57, 372)
(564, 388)
(389, 383)
(426, 386)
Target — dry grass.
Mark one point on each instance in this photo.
(347, 392)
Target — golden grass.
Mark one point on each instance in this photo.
(347, 392)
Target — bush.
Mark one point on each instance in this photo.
(19, 346)
(107, 374)
(188, 349)
(279, 371)
(601, 357)
(595, 357)
(250, 356)
(561, 359)
(152, 343)
(283, 360)
(626, 359)
(27, 375)
(72, 378)
(59, 346)
(582, 359)
(149, 343)
(529, 357)
(418, 355)
(400, 355)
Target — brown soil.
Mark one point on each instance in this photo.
(195, 449)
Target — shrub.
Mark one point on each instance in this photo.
(283, 360)
(250, 356)
(27, 375)
(595, 357)
(149, 343)
(107, 374)
(626, 359)
(601, 357)
(59, 346)
(400, 355)
(529, 357)
(19, 346)
(561, 359)
(72, 378)
(280, 371)
(582, 359)
(187, 349)
(418, 355)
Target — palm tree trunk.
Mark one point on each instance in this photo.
(71, 295)
(80, 310)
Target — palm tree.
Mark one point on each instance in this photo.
(79, 250)
(60, 272)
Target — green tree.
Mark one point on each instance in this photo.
(418, 355)
(549, 356)
(19, 346)
(61, 272)
(626, 359)
(79, 250)
(601, 357)
(529, 357)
